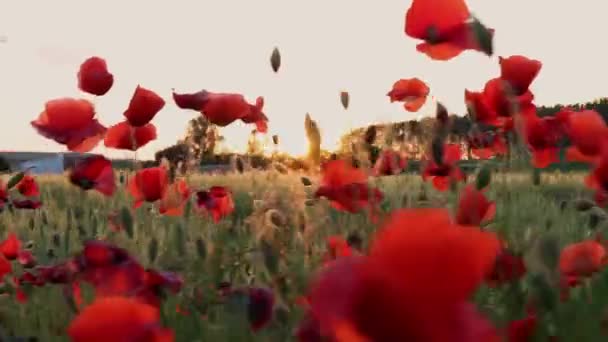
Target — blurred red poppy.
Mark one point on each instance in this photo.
(123, 136)
(5, 268)
(474, 208)
(391, 296)
(217, 201)
(446, 29)
(580, 260)
(588, 133)
(223, 109)
(148, 185)
(522, 330)
(26, 204)
(447, 171)
(94, 77)
(28, 187)
(256, 116)
(143, 107)
(70, 122)
(390, 163)
(485, 145)
(336, 247)
(3, 195)
(94, 172)
(118, 319)
(412, 92)
(346, 187)
(543, 136)
(260, 308)
(508, 268)
(10, 247)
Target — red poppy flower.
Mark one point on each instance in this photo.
(446, 172)
(504, 102)
(474, 208)
(223, 109)
(587, 132)
(522, 330)
(26, 259)
(346, 187)
(70, 122)
(412, 92)
(193, 101)
(391, 296)
(542, 137)
(28, 187)
(580, 260)
(507, 269)
(94, 173)
(149, 185)
(118, 319)
(26, 204)
(487, 144)
(217, 200)
(445, 28)
(390, 163)
(144, 106)
(94, 77)
(256, 116)
(10, 247)
(174, 199)
(336, 247)
(519, 71)
(123, 136)
(260, 307)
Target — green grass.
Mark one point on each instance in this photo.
(525, 214)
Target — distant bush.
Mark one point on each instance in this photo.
(4, 165)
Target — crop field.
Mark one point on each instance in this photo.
(276, 240)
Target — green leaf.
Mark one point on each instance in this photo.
(127, 221)
(484, 177)
(15, 180)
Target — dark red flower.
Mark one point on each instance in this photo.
(217, 201)
(412, 92)
(26, 259)
(447, 171)
(337, 247)
(70, 122)
(193, 101)
(346, 187)
(10, 247)
(543, 136)
(5, 268)
(123, 136)
(144, 105)
(94, 172)
(522, 330)
(3, 195)
(26, 204)
(508, 268)
(148, 185)
(118, 319)
(94, 77)
(260, 307)
(445, 28)
(474, 208)
(598, 178)
(28, 187)
(390, 163)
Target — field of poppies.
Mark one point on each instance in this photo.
(348, 249)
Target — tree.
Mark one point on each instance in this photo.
(254, 146)
(201, 137)
(4, 165)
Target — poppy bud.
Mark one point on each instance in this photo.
(275, 59)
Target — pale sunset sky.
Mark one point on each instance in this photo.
(327, 46)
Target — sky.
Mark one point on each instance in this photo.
(327, 46)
